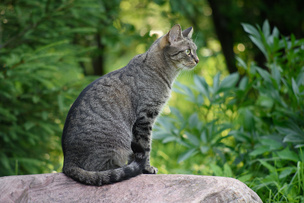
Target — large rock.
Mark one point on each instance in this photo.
(57, 187)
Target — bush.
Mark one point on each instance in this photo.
(40, 76)
(249, 125)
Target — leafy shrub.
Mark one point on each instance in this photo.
(33, 106)
(248, 126)
(40, 76)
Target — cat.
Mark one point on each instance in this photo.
(107, 132)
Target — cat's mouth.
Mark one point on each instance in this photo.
(192, 65)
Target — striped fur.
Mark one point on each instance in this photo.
(107, 133)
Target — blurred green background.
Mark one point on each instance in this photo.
(238, 114)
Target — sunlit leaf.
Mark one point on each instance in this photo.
(295, 87)
(193, 120)
(266, 28)
(243, 84)
(259, 44)
(202, 85)
(193, 139)
(241, 62)
(229, 81)
(250, 29)
(169, 139)
(186, 155)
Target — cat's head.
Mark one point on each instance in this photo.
(179, 47)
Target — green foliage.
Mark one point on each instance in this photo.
(247, 125)
(250, 127)
(41, 56)
(33, 106)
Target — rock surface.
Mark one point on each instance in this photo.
(56, 187)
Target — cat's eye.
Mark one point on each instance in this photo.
(188, 51)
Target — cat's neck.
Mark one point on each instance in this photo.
(156, 62)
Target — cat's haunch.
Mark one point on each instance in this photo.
(107, 133)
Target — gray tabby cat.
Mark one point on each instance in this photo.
(107, 133)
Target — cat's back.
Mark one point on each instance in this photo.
(107, 101)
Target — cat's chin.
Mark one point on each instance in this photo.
(184, 67)
(189, 67)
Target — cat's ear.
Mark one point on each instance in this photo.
(175, 34)
(188, 32)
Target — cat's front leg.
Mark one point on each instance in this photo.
(142, 136)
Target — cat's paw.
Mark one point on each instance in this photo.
(150, 170)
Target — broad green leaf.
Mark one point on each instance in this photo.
(204, 149)
(275, 72)
(259, 44)
(170, 138)
(229, 81)
(271, 168)
(200, 100)
(275, 32)
(259, 150)
(177, 113)
(241, 62)
(265, 101)
(193, 120)
(158, 135)
(240, 136)
(204, 137)
(250, 29)
(227, 170)
(300, 78)
(186, 91)
(216, 170)
(266, 29)
(222, 127)
(265, 75)
(295, 127)
(202, 85)
(295, 88)
(243, 84)
(287, 154)
(271, 143)
(28, 125)
(247, 119)
(245, 178)
(193, 139)
(186, 155)
(292, 132)
(286, 172)
(216, 81)
(181, 142)
(294, 139)
(166, 123)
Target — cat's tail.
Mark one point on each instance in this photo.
(99, 178)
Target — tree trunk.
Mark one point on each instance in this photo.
(224, 34)
(98, 61)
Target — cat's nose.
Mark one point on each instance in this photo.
(196, 60)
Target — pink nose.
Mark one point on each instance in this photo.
(196, 60)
